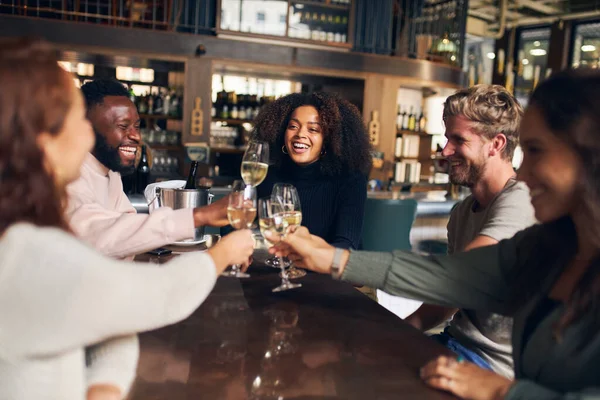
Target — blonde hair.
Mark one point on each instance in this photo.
(491, 109)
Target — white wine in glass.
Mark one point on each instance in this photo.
(288, 199)
(268, 229)
(241, 218)
(254, 173)
(255, 163)
(292, 218)
(241, 213)
(273, 227)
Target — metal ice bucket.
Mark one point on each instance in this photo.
(183, 198)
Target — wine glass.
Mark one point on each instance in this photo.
(255, 163)
(273, 226)
(287, 195)
(241, 213)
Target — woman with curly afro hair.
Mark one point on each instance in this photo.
(319, 144)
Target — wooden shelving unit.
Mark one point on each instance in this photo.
(286, 37)
(324, 5)
(228, 150)
(230, 121)
(158, 116)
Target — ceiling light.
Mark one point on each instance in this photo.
(491, 55)
(537, 52)
(588, 47)
(536, 43)
(525, 61)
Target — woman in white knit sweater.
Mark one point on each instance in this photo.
(68, 316)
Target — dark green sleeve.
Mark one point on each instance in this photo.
(529, 390)
(477, 279)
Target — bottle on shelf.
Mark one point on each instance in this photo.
(417, 126)
(225, 109)
(404, 120)
(143, 105)
(158, 103)
(399, 118)
(191, 180)
(234, 108)
(412, 120)
(398, 146)
(167, 102)
(142, 173)
(150, 104)
(422, 122)
(242, 106)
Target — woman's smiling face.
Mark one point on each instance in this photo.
(550, 168)
(304, 136)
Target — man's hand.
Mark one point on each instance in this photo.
(103, 392)
(465, 380)
(305, 250)
(214, 214)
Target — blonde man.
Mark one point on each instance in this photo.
(482, 125)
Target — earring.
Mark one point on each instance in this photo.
(284, 150)
(323, 152)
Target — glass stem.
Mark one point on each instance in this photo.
(284, 275)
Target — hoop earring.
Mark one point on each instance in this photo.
(284, 150)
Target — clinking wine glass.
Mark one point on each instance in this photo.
(287, 195)
(255, 163)
(241, 213)
(273, 227)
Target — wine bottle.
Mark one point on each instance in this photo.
(422, 122)
(399, 119)
(142, 177)
(411, 120)
(404, 120)
(191, 180)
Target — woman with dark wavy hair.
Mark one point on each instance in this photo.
(319, 144)
(547, 277)
(68, 315)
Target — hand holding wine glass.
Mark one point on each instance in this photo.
(255, 163)
(273, 227)
(241, 213)
(287, 196)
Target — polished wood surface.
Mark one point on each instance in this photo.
(325, 340)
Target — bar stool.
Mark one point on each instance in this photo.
(387, 224)
(386, 227)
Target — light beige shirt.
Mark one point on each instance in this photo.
(100, 213)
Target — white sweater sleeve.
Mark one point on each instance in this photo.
(58, 294)
(113, 362)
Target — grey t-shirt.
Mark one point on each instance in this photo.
(488, 334)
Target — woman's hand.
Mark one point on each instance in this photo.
(305, 250)
(465, 379)
(235, 248)
(103, 392)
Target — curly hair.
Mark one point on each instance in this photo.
(575, 120)
(345, 139)
(491, 109)
(34, 99)
(95, 91)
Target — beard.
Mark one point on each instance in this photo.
(109, 156)
(466, 174)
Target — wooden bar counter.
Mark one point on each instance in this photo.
(325, 340)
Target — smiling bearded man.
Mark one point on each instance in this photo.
(98, 210)
(482, 126)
